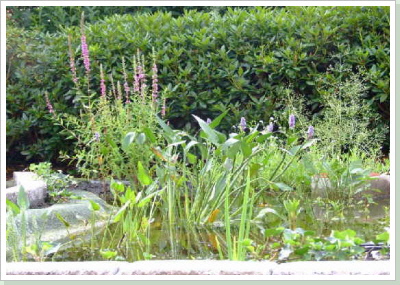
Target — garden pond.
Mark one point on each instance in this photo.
(273, 237)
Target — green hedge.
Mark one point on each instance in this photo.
(244, 59)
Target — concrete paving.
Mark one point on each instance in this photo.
(200, 267)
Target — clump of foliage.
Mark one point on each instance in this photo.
(242, 59)
(57, 183)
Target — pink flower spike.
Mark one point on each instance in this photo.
(72, 61)
(102, 83)
(48, 103)
(85, 53)
(154, 83)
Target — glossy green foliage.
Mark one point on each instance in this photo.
(242, 59)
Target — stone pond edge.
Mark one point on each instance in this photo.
(200, 267)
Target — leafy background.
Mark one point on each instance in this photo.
(209, 59)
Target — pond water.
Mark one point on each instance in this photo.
(185, 241)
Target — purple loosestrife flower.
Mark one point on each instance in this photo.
(242, 123)
(72, 61)
(270, 127)
(48, 103)
(96, 136)
(292, 121)
(85, 53)
(126, 85)
(154, 83)
(310, 132)
(102, 83)
(119, 91)
(142, 80)
(163, 109)
(127, 91)
(136, 84)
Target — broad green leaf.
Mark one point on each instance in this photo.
(121, 212)
(291, 140)
(254, 168)
(218, 119)
(309, 143)
(262, 138)
(228, 164)
(13, 207)
(143, 177)
(265, 211)
(128, 139)
(32, 249)
(168, 131)
(93, 206)
(117, 187)
(147, 199)
(149, 134)
(246, 149)
(210, 133)
(229, 142)
(282, 186)
(140, 138)
(108, 254)
(189, 145)
(385, 237)
(294, 150)
(191, 158)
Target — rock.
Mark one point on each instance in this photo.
(382, 184)
(379, 187)
(46, 225)
(33, 186)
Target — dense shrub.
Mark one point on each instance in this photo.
(51, 18)
(244, 59)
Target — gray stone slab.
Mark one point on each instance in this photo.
(33, 186)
